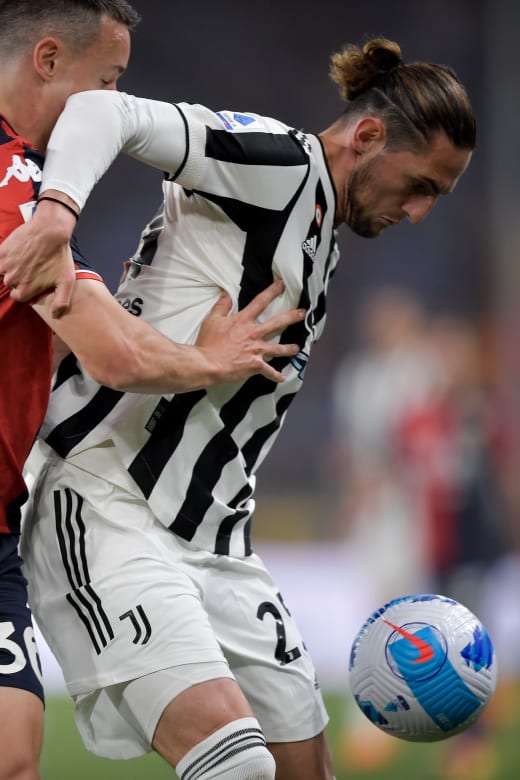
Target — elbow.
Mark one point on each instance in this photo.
(118, 372)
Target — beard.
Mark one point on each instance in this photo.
(361, 181)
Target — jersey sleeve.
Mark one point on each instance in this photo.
(229, 154)
(81, 265)
(95, 126)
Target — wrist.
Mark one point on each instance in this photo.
(211, 372)
(56, 212)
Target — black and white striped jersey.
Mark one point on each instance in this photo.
(251, 200)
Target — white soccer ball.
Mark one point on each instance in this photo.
(422, 668)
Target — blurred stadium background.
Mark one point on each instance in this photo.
(396, 470)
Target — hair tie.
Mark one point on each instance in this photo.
(56, 200)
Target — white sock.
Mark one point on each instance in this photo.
(237, 751)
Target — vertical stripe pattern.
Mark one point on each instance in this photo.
(262, 208)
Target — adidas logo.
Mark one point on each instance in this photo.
(310, 245)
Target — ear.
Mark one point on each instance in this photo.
(369, 134)
(45, 57)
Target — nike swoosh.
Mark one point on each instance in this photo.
(426, 651)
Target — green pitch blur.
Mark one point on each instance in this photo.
(495, 758)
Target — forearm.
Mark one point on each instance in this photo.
(124, 352)
(102, 124)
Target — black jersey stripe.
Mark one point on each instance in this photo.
(69, 433)
(254, 148)
(149, 242)
(70, 531)
(251, 450)
(246, 216)
(206, 473)
(220, 450)
(226, 527)
(67, 369)
(169, 422)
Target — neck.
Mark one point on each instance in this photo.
(22, 104)
(340, 160)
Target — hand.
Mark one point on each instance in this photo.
(237, 344)
(36, 258)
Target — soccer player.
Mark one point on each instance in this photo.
(171, 633)
(48, 49)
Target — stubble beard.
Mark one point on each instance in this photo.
(361, 180)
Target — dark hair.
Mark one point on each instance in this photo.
(23, 22)
(415, 100)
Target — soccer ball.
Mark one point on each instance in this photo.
(422, 668)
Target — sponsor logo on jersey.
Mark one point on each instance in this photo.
(302, 140)
(299, 362)
(133, 305)
(310, 246)
(21, 170)
(232, 121)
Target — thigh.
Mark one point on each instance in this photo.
(195, 714)
(264, 649)
(19, 661)
(21, 735)
(21, 692)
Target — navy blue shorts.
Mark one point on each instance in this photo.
(19, 660)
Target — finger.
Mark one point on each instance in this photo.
(271, 373)
(279, 322)
(21, 293)
(280, 350)
(11, 279)
(261, 301)
(222, 307)
(62, 297)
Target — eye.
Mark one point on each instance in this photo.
(421, 188)
(424, 188)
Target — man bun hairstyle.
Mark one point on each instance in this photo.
(415, 100)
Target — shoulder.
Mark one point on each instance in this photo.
(244, 137)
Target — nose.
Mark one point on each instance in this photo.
(418, 207)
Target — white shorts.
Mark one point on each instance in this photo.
(117, 596)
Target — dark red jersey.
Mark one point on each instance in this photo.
(26, 340)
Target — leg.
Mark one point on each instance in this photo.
(195, 714)
(206, 731)
(21, 692)
(21, 716)
(306, 760)
(271, 664)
